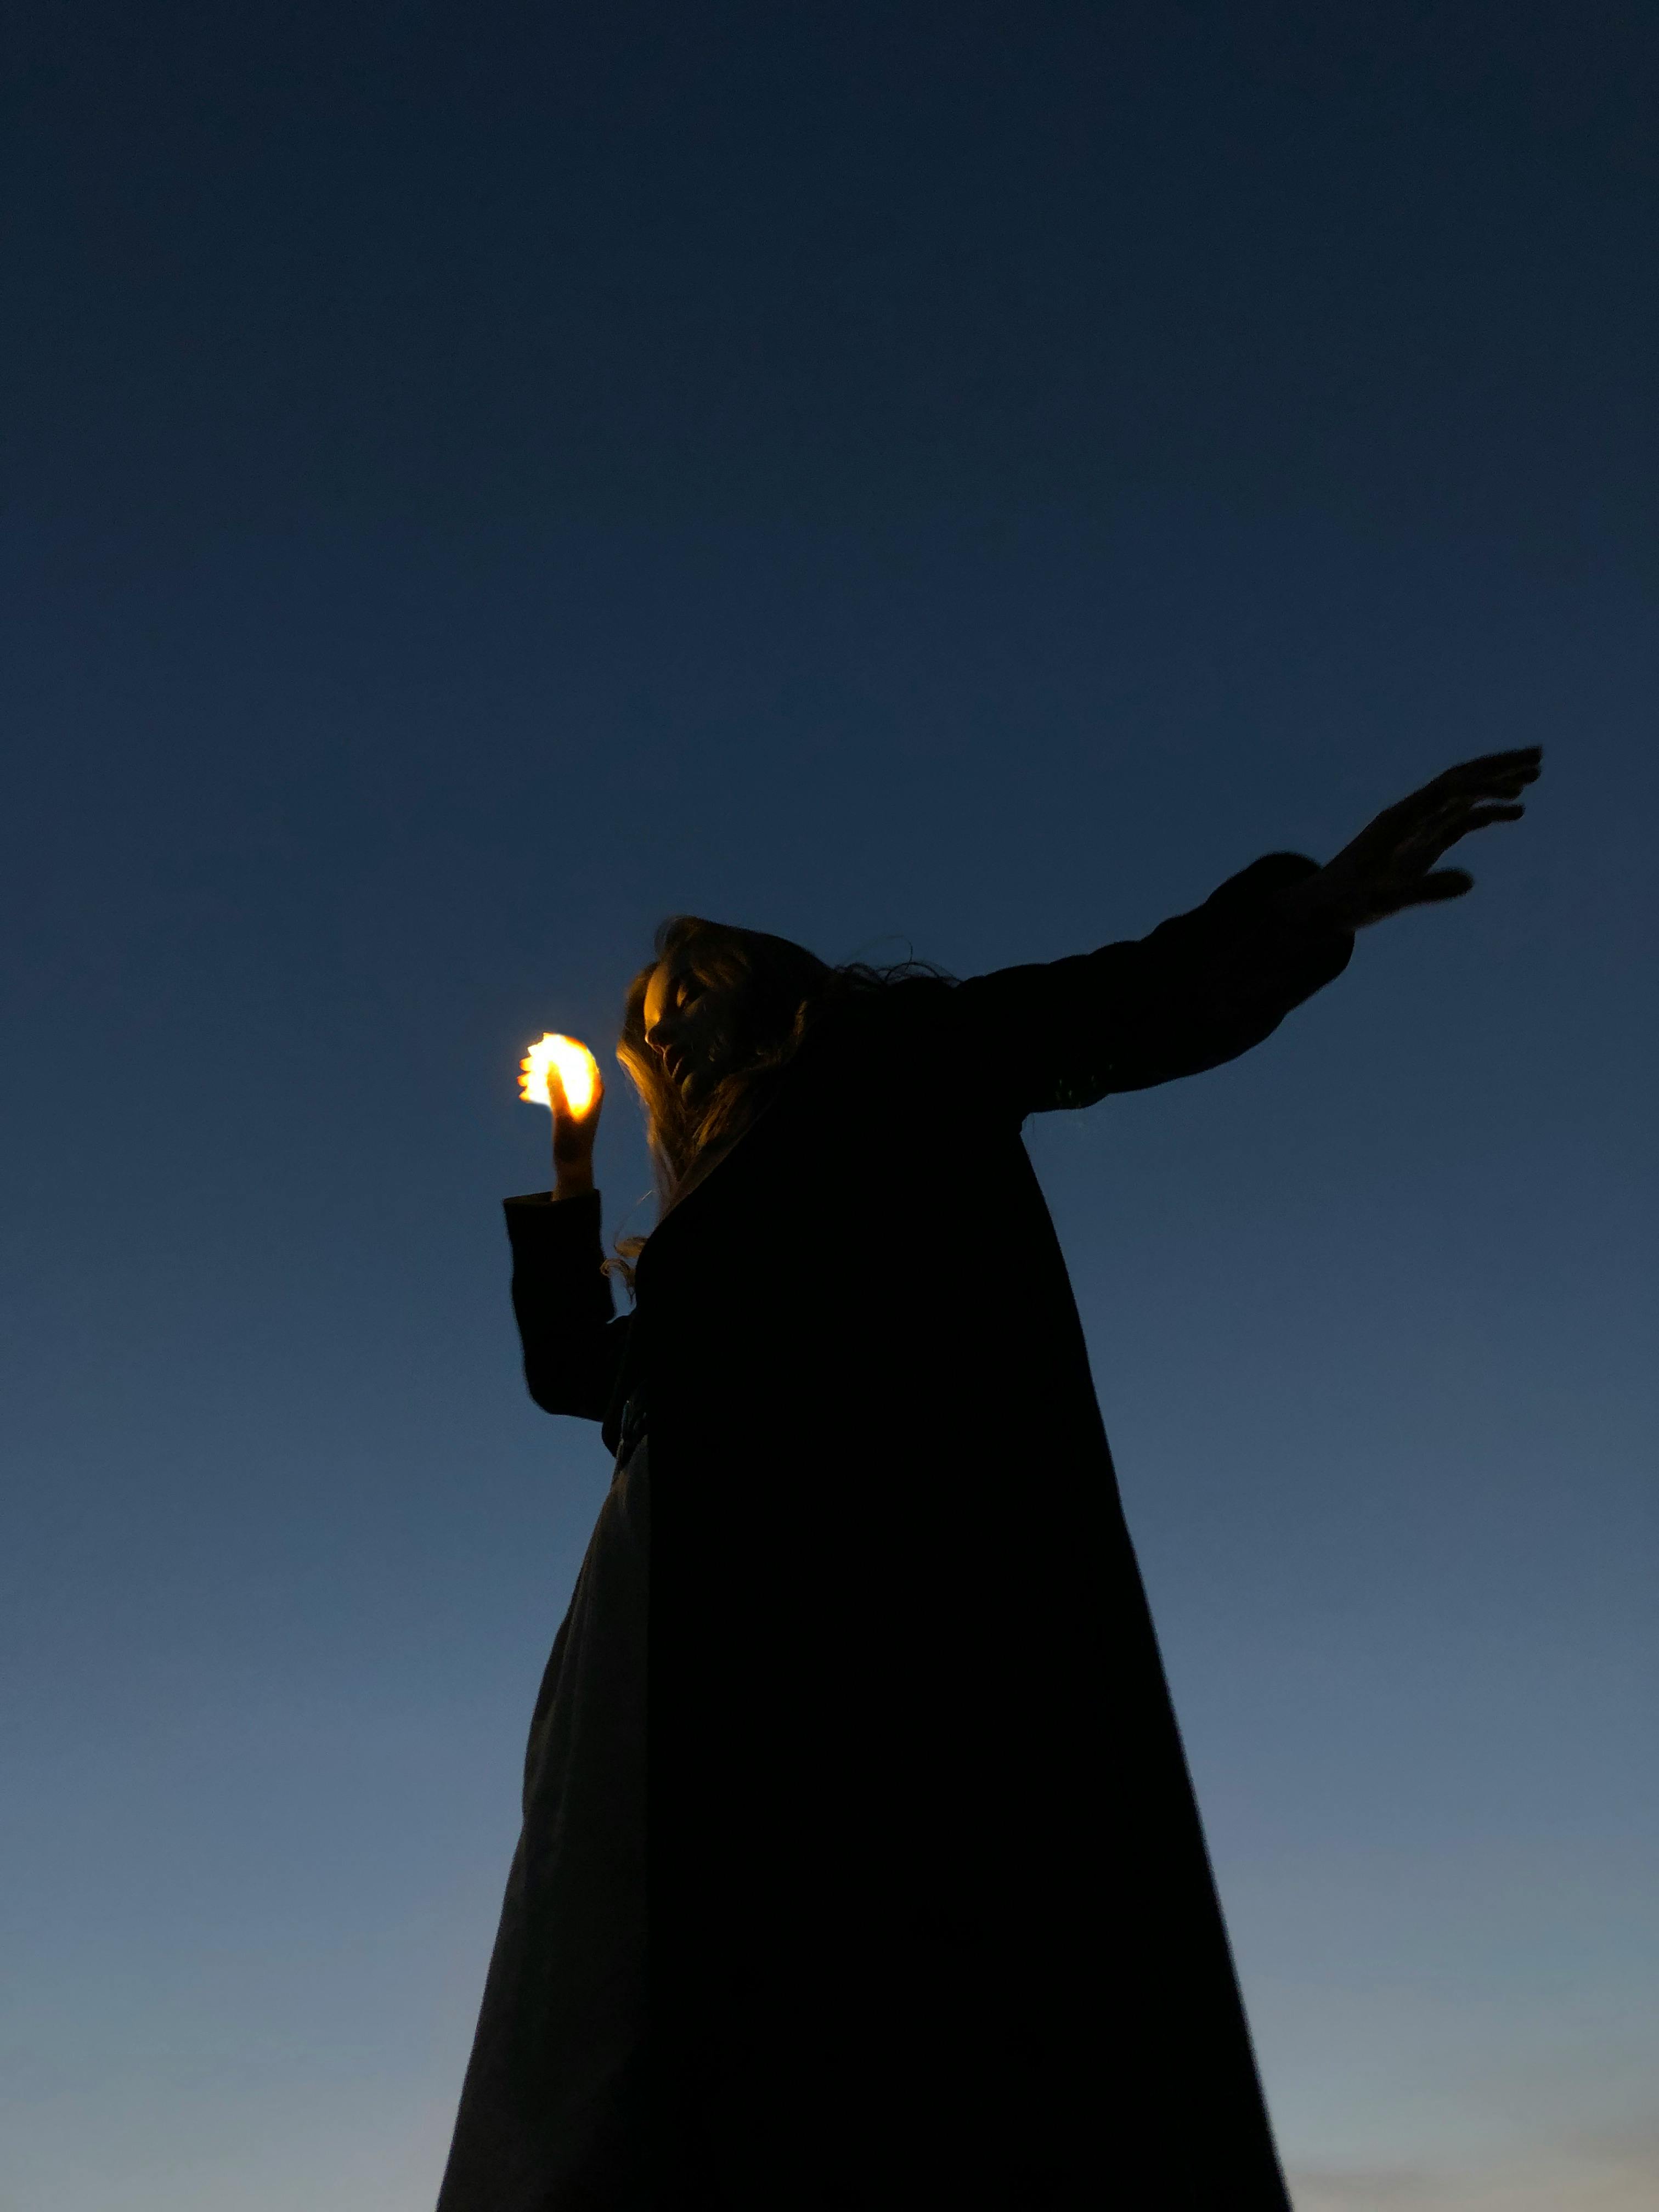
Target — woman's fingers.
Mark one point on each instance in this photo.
(1425, 849)
(1492, 771)
(1414, 857)
(1391, 864)
(1417, 890)
(1495, 776)
(1478, 817)
(1443, 884)
(559, 1098)
(570, 1128)
(1420, 840)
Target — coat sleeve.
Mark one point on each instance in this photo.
(1202, 988)
(573, 1341)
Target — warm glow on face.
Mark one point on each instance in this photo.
(578, 1071)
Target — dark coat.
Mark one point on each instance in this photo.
(931, 1919)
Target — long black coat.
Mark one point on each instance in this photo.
(931, 1919)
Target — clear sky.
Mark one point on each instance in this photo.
(959, 477)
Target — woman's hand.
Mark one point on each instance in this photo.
(572, 1136)
(1390, 865)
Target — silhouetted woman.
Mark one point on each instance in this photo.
(899, 1898)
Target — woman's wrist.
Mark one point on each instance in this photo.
(572, 1183)
(1316, 902)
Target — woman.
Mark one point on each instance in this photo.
(901, 1898)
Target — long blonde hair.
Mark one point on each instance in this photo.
(777, 990)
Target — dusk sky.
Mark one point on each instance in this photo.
(961, 478)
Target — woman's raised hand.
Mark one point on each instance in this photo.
(1390, 865)
(572, 1136)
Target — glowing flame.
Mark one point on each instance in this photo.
(578, 1072)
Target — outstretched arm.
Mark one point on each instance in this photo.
(1203, 988)
(1206, 986)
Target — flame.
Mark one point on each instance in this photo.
(578, 1072)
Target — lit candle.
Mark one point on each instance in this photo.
(579, 1073)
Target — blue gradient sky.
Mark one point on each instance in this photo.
(961, 477)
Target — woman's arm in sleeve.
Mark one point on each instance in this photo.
(1203, 988)
(573, 1344)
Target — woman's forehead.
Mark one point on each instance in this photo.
(664, 976)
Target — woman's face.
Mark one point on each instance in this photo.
(687, 1025)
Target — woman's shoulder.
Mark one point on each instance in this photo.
(880, 1015)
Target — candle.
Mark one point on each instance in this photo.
(578, 1071)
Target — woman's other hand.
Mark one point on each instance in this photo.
(1390, 865)
(572, 1136)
